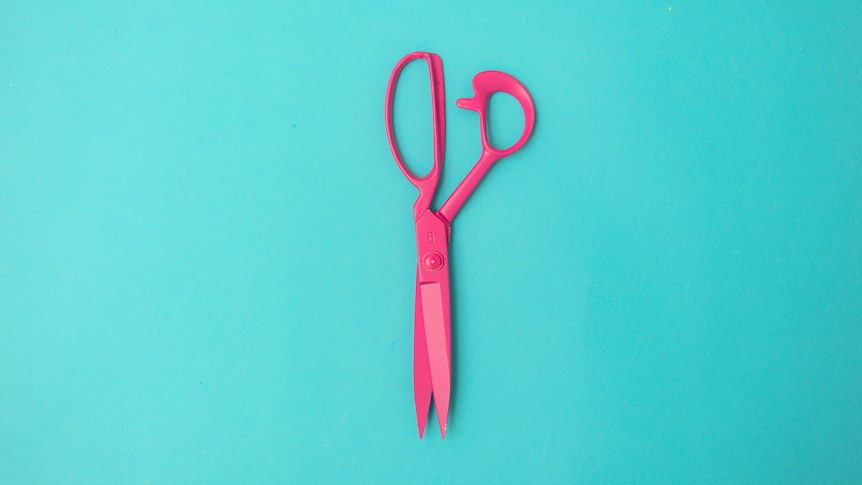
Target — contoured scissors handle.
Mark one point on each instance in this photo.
(484, 85)
(426, 184)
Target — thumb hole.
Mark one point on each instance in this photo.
(505, 121)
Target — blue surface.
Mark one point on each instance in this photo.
(207, 262)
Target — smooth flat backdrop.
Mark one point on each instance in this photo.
(207, 258)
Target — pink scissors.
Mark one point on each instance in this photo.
(432, 339)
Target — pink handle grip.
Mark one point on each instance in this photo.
(426, 184)
(484, 85)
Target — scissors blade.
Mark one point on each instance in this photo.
(421, 367)
(435, 316)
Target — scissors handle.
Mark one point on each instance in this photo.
(426, 184)
(484, 85)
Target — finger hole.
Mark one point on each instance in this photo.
(412, 119)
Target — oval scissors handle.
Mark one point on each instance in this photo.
(485, 84)
(426, 184)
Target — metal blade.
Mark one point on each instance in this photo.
(436, 322)
(421, 368)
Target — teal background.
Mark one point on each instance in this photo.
(207, 260)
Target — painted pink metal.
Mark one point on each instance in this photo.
(432, 341)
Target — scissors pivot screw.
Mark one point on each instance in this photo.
(433, 261)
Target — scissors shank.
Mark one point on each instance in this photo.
(459, 196)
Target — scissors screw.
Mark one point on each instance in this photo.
(433, 261)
